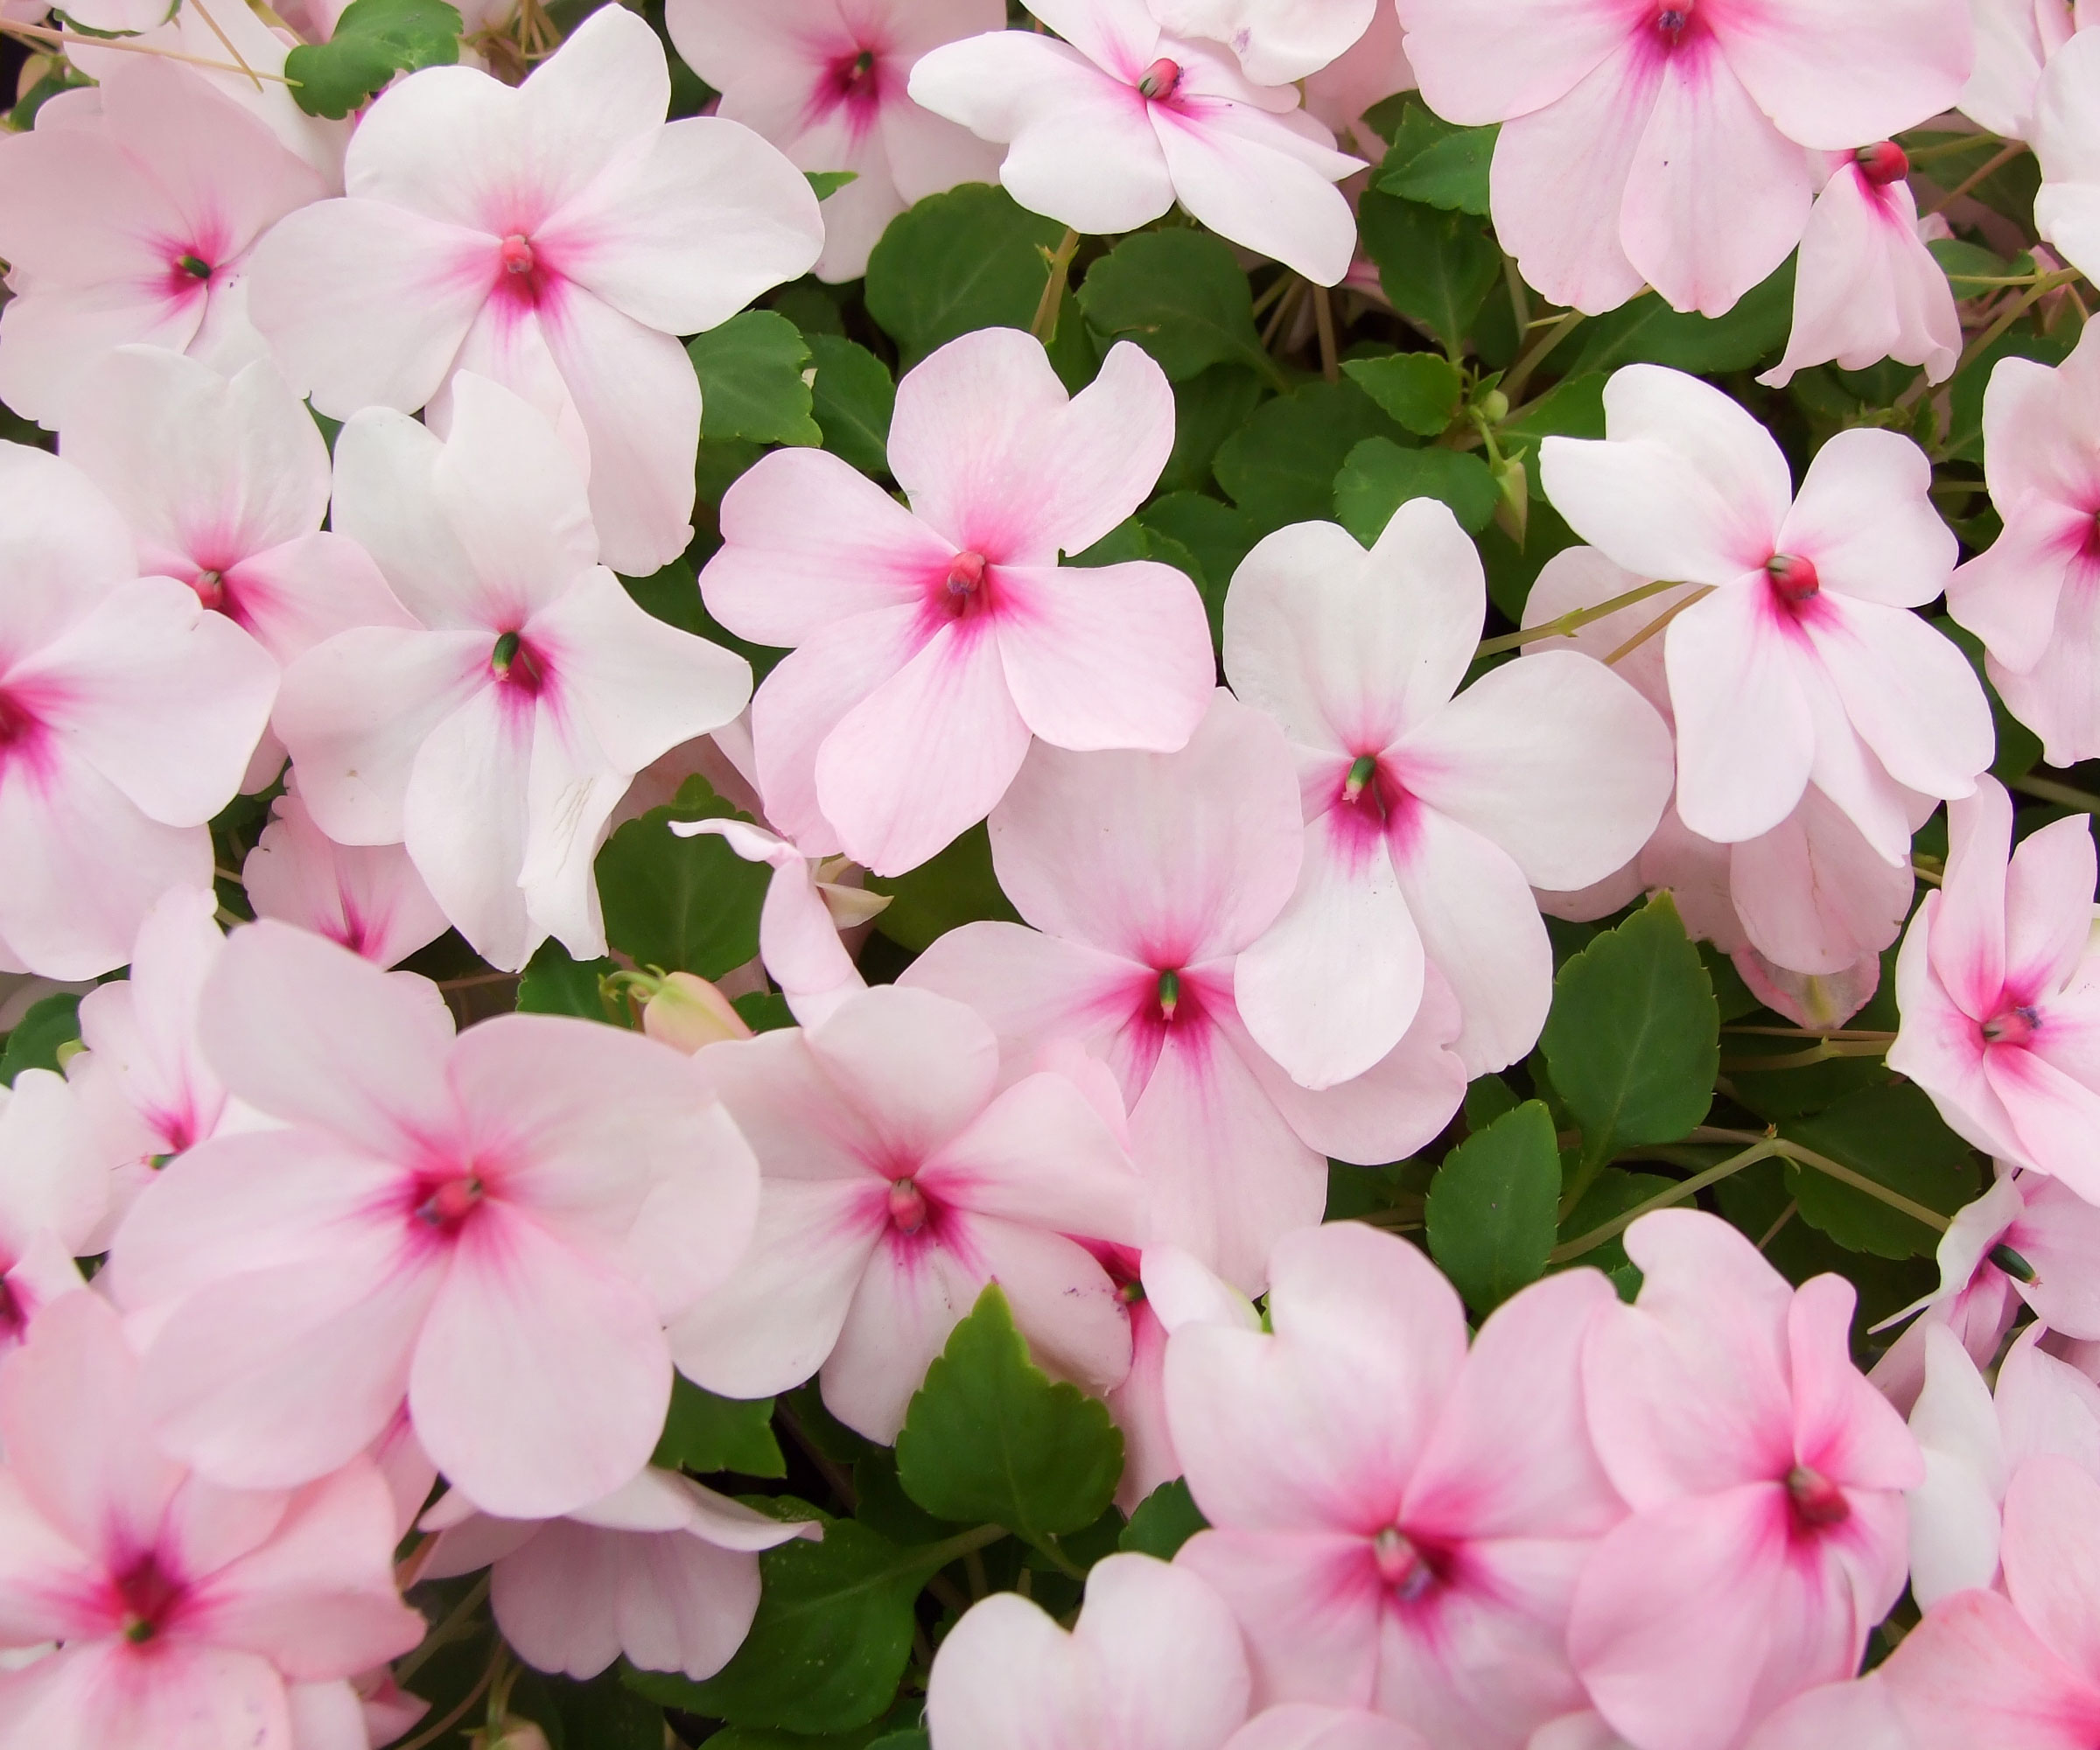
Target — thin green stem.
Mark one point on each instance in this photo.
(1044, 328)
(1535, 354)
(1990, 166)
(1571, 621)
(37, 33)
(2048, 790)
(1659, 623)
(1816, 1032)
(1828, 1051)
(446, 1633)
(1976, 349)
(1859, 1181)
(1065, 1564)
(1764, 1149)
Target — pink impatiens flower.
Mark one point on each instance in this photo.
(495, 738)
(135, 223)
(1429, 818)
(367, 897)
(52, 1200)
(2033, 596)
(1109, 128)
(1805, 663)
(824, 80)
(1146, 876)
(1153, 1663)
(1866, 288)
(127, 717)
(1764, 1476)
(190, 1615)
(1399, 1522)
(557, 237)
(2000, 998)
(899, 1180)
(497, 1227)
(661, 1570)
(2066, 140)
(933, 644)
(1660, 142)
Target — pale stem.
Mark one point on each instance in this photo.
(2047, 790)
(2038, 290)
(1656, 625)
(1990, 167)
(1323, 318)
(1535, 354)
(1571, 621)
(226, 43)
(1044, 328)
(40, 34)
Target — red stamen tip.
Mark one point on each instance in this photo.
(516, 254)
(907, 1206)
(1818, 1500)
(1882, 163)
(1793, 578)
(965, 572)
(1160, 81)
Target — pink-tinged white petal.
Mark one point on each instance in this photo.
(798, 938)
(1813, 895)
(1975, 1673)
(1968, 929)
(2066, 140)
(1307, 1725)
(1031, 987)
(917, 1069)
(1257, 179)
(906, 1303)
(1549, 47)
(1864, 518)
(1077, 1323)
(1955, 1512)
(1039, 1153)
(2052, 1557)
(1275, 43)
(2011, 594)
(2048, 888)
(1834, 81)
(368, 898)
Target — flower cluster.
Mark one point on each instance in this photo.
(883, 877)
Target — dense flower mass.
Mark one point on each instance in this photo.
(1086, 875)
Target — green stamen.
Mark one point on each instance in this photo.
(504, 653)
(196, 268)
(1360, 774)
(2010, 1262)
(1170, 994)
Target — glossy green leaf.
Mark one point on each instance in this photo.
(990, 1436)
(34, 1041)
(969, 258)
(706, 1433)
(1634, 1036)
(1492, 1205)
(373, 40)
(1648, 331)
(1379, 476)
(1436, 266)
(956, 886)
(1163, 1521)
(685, 905)
(1421, 390)
(754, 377)
(826, 182)
(1183, 297)
(1436, 163)
(1895, 1136)
(1280, 466)
(852, 399)
(555, 984)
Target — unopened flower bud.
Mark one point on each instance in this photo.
(511, 1733)
(1513, 497)
(687, 1013)
(1494, 407)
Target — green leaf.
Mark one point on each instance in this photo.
(763, 1012)
(914, 1740)
(1633, 1038)
(706, 1433)
(1215, 537)
(826, 182)
(953, 886)
(373, 40)
(969, 258)
(1493, 1207)
(755, 380)
(1180, 294)
(1486, 1098)
(685, 905)
(1208, 408)
(1572, 408)
(852, 398)
(555, 984)
(604, 1714)
(1380, 476)
(33, 1042)
(1436, 163)
(830, 1643)
(880, 1503)
(1437, 267)
(990, 1436)
(1280, 466)
(1647, 330)
(1419, 390)
(1893, 1136)
(1163, 1521)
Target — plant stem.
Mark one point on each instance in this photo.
(1843, 1175)
(1053, 301)
(1763, 1149)
(1815, 1034)
(1655, 624)
(445, 1633)
(2048, 790)
(2040, 289)
(1826, 1052)
(431, 1734)
(37, 33)
(1572, 620)
(1323, 318)
(1534, 355)
(1990, 166)
(225, 42)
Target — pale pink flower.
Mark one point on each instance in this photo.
(127, 717)
(2015, 40)
(824, 80)
(494, 737)
(1765, 1476)
(52, 1200)
(557, 237)
(135, 222)
(899, 1180)
(367, 897)
(1107, 128)
(2028, 1239)
(2066, 140)
(1660, 142)
(1866, 288)
(2018, 1670)
(190, 1616)
(1166, 1288)
(799, 924)
(1429, 817)
(1147, 876)
(1398, 1522)
(933, 643)
(1276, 41)
(1975, 1440)
(1860, 1714)
(1370, 70)
(661, 1570)
(497, 1227)
(1803, 909)
(2034, 597)
(1153, 1663)
(224, 485)
(1306, 1726)
(1805, 664)
(1998, 989)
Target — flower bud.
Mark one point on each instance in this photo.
(1513, 497)
(687, 1013)
(512, 1734)
(1494, 407)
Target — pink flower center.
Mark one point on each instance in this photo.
(2012, 1025)
(195, 266)
(146, 1596)
(1818, 1503)
(516, 254)
(16, 725)
(514, 664)
(1883, 163)
(210, 589)
(856, 76)
(1362, 771)
(1671, 21)
(1160, 81)
(14, 1317)
(1400, 1566)
(1793, 578)
(449, 1202)
(1170, 995)
(907, 1206)
(963, 587)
